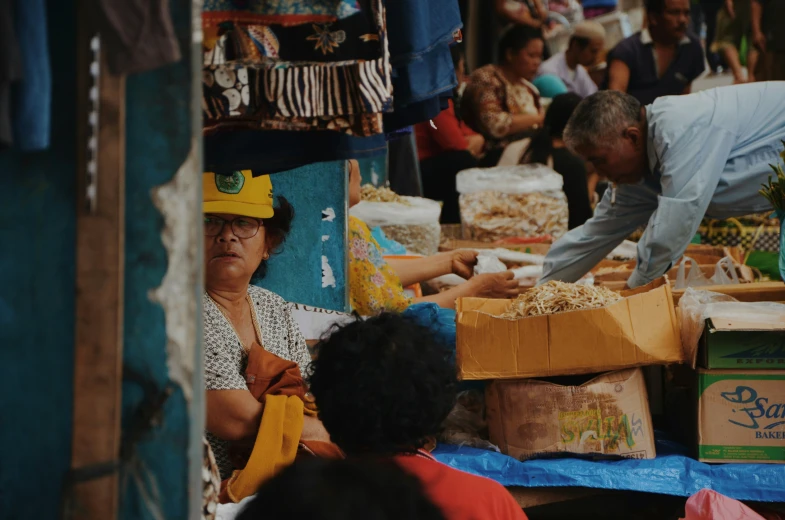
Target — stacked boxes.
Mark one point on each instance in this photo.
(605, 416)
(741, 392)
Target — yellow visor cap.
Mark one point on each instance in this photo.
(238, 193)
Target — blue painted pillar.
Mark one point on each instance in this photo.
(37, 280)
(163, 284)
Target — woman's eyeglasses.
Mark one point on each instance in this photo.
(242, 227)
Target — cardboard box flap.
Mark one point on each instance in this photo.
(723, 324)
(641, 329)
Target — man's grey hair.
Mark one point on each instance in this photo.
(600, 119)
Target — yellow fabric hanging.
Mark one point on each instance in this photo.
(275, 447)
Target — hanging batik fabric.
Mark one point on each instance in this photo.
(276, 66)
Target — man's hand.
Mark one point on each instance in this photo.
(463, 263)
(495, 285)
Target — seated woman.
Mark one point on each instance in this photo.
(500, 101)
(376, 285)
(384, 386)
(446, 148)
(249, 333)
(547, 147)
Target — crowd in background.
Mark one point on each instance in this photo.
(369, 377)
(500, 111)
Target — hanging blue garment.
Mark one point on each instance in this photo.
(420, 33)
(32, 95)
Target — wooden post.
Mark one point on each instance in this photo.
(99, 280)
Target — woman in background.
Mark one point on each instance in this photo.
(376, 284)
(547, 147)
(446, 148)
(500, 102)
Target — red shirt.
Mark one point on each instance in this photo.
(460, 495)
(449, 134)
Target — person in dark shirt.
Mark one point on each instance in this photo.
(769, 38)
(661, 60)
(547, 147)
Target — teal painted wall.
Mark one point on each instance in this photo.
(37, 277)
(296, 273)
(160, 125)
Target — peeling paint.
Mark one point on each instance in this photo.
(328, 214)
(325, 238)
(328, 280)
(180, 203)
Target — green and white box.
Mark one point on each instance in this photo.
(742, 345)
(741, 416)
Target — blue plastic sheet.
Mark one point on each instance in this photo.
(440, 321)
(671, 473)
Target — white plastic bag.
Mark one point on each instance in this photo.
(415, 225)
(512, 201)
(514, 257)
(724, 274)
(695, 306)
(465, 425)
(489, 264)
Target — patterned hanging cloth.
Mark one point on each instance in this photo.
(263, 72)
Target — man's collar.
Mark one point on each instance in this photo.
(647, 40)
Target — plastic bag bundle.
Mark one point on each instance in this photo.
(695, 306)
(489, 264)
(466, 426)
(725, 274)
(414, 224)
(512, 201)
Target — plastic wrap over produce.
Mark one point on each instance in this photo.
(413, 223)
(512, 201)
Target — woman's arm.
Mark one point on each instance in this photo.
(524, 122)
(233, 415)
(412, 271)
(492, 285)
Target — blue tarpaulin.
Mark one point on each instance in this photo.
(671, 473)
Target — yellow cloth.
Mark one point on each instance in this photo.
(275, 447)
(373, 286)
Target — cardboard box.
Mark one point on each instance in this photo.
(640, 330)
(741, 416)
(736, 344)
(608, 416)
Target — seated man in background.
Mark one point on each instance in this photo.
(384, 386)
(586, 43)
(661, 60)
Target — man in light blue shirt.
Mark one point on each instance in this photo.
(676, 160)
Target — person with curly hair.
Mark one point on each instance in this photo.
(356, 489)
(384, 386)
